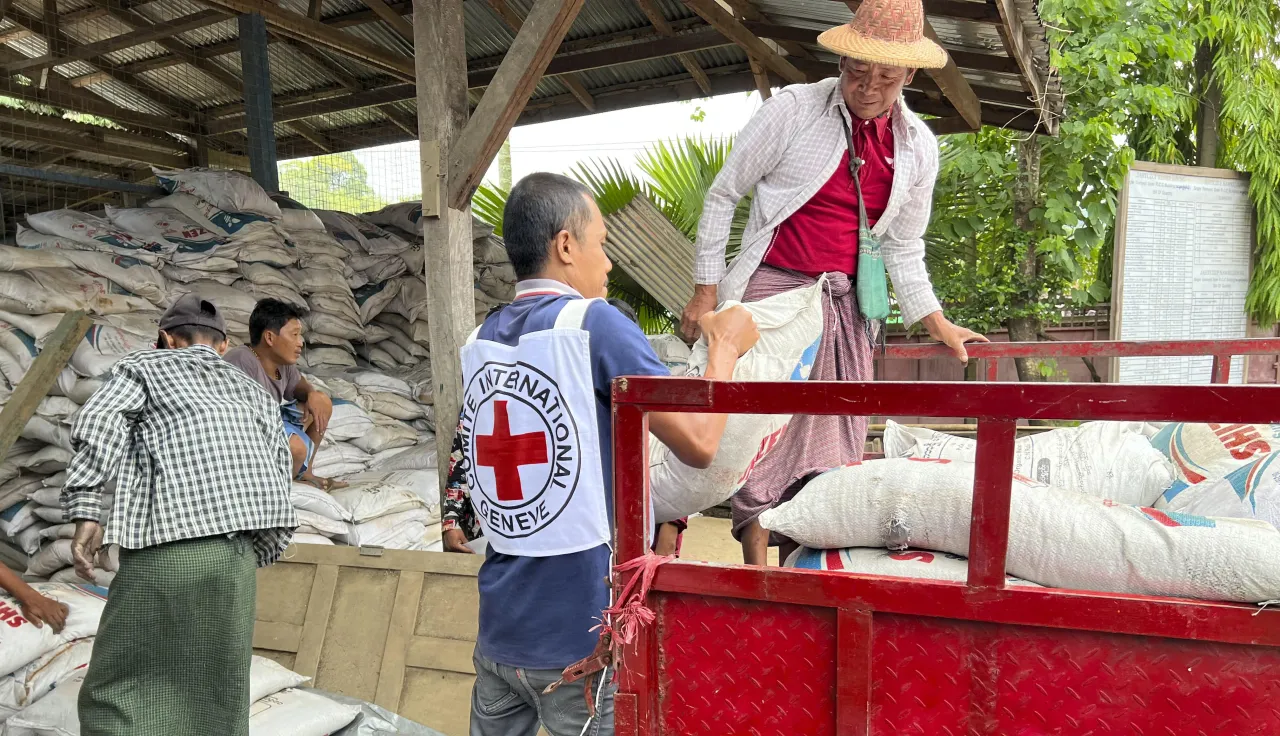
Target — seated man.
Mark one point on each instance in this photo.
(275, 344)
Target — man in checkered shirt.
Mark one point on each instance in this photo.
(795, 155)
(202, 474)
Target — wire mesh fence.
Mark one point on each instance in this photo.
(355, 181)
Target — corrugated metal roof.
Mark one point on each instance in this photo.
(653, 252)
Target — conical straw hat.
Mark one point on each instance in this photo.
(887, 32)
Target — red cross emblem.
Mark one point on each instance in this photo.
(506, 453)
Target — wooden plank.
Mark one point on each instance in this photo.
(659, 21)
(506, 96)
(955, 86)
(276, 636)
(40, 377)
(708, 38)
(315, 8)
(392, 18)
(948, 126)
(442, 114)
(404, 617)
(572, 83)
(77, 143)
(762, 78)
(434, 653)
(1017, 46)
(136, 37)
(732, 28)
(306, 29)
(306, 130)
(94, 132)
(316, 623)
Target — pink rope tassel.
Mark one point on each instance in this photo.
(629, 614)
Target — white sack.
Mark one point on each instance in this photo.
(52, 557)
(195, 243)
(221, 222)
(672, 352)
(182, 275)
(296, 217)
(425, 483)
(129, 273)
(101, 578)
(1251, 491)
(103, 346)
(328, 357)
(324, 526)
(373, 298)
(1057, 538)
(401, 530)
(406, 216)
(386, 436)
(306, 497)
(95, 232)
(348, 421)
(790, 327)
(45, 290)
(371, 499)
(16, 518)
(226, 190)
(300, 538)
(908, 563)
(1203, 451)
(35, 680)
(392, 405)
(296, 712)
(21, 642)
(1110, 460)
(422, 457)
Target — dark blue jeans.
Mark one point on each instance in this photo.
(508, 701)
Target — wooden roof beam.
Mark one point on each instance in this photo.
(732, 28)
(136, 37)
(312, 31)
(96, 146)
(572, 83)
(310, 133)
(976, 12)
(504, 99)
(392, 18)
(690, 64)
(180, 50)
(62, 95)
(1017, 46)
(746, 10)
(58, 39)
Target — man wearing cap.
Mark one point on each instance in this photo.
(202, 474)
(799, 153)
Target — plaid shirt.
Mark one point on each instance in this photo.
(198, 448)
(786, 152)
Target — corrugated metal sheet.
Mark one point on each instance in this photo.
(653, 252)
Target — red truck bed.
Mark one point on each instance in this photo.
(745, 650)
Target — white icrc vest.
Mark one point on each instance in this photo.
(530, 440)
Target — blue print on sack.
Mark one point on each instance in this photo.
(233, 222)
(364, 293)
(809, 559)
(10, 513)
(807, 358)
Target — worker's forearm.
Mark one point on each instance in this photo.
(721, 358)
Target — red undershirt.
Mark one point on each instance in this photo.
(822, 236)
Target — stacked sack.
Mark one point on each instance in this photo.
(278, 703)
(1225, 470)
(34, 660)
(1083, 520)
(219, 234)
(495, 279)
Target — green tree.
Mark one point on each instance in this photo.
(332, 182)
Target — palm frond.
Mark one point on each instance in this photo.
(612, 185)
(654, 318)
(488, 203)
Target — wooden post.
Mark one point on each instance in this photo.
(44, 370)
(442, 115)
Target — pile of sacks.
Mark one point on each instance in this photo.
(219, 234)
(41, 673)
(1093, 508)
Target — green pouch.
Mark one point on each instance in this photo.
(871, 289)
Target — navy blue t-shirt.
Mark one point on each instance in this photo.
(538, 612)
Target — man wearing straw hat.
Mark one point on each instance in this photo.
(843, 177)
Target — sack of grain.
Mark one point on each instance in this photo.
(33, 681)
(336, 459)
(425, 483)
(104, 345)
(790, 327)
(374, 297)
(406, 216)
(296, 217)
(392, 405)
(1058, 538)
(1110, 460)
(222, 222)
(307, 538)
(420, 457)
(305, 497)
(907, 563)
(379, 358)
(21, 642)
(348, 421)
(318, 358)
(400, 530)
(46, 290)
(366, 500)
(235, 304)
(1203, 451)
(321, 524)
(183, 275)
(410, 301)
(354, 232)
(263, 275)
(226, 190)
(273, 291)
(267, 677)
(95, 232)
(194, 242)
(295, 712)
(1251, 491)
(313, 244)
(672, 352)
(268, 251)
(385, 436)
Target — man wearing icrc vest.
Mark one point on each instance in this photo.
(538, 457)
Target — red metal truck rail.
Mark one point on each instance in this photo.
(746, 650)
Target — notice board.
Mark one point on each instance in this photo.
(1183, 256)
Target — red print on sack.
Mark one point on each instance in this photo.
(1241, 440)
(11, 615)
